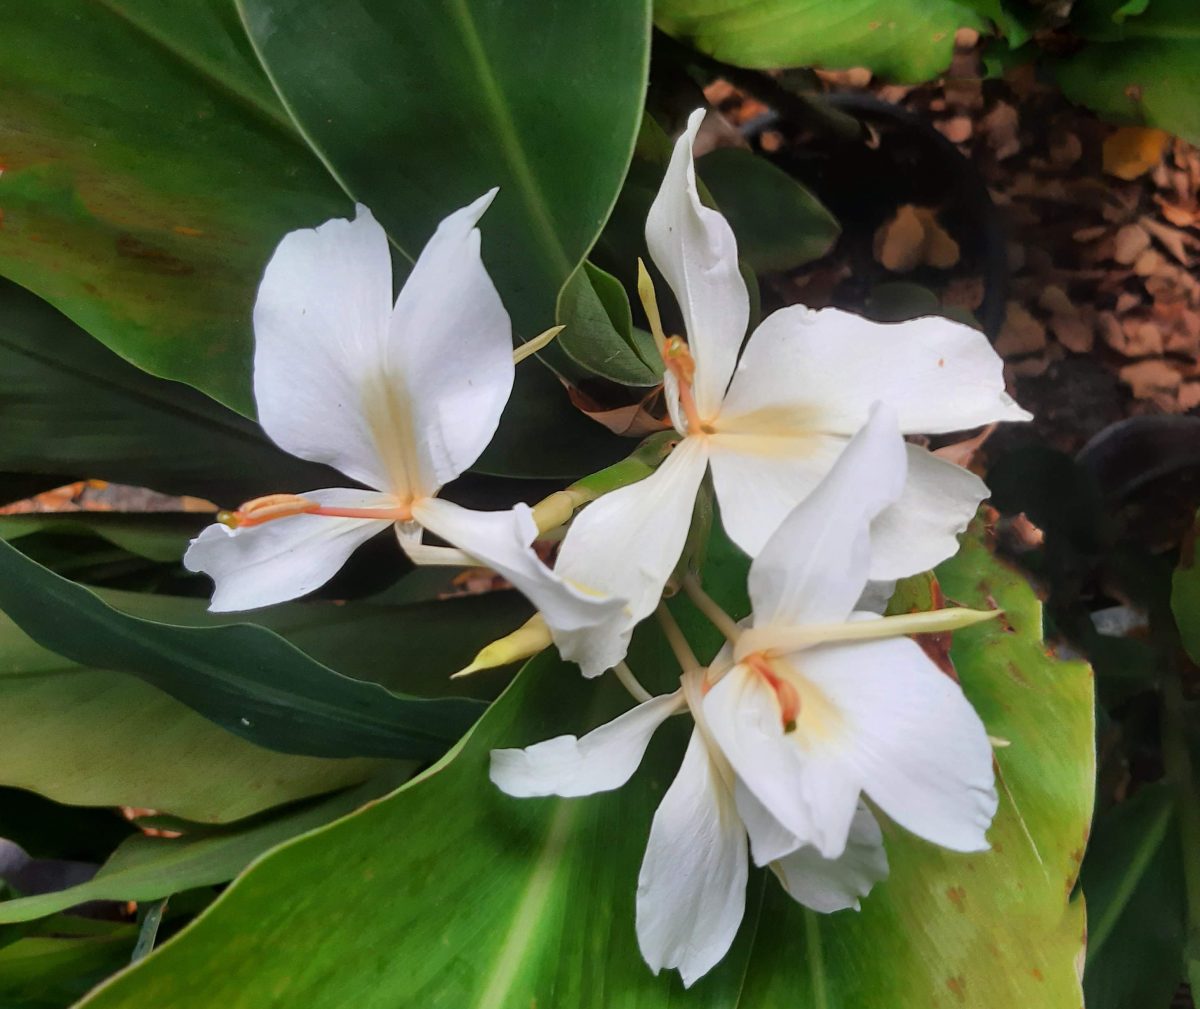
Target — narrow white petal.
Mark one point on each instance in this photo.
(450, 347)
(627, 543)
(814, 567)
(812, 799)
(579, 619)
(760, 478)
(570, 766)
(694, 248)
(835, 884)
(769, 839)
(691, 891)
(921, 529)
(286, 558)
(908, 737)
(320, 323)
(824, 369)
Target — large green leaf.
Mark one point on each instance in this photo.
(148, 868)
(157, 537)
(520, 902)
(907, 40)
(149, 172)
(1133, 877)
(1143, 68)
(74, 408)
(50, 971)
(245, 678)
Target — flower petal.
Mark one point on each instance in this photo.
(450, 346)
(908, 737)
(759, 479)
(835, 884)
(627, 543)
(814, 567)
(579, 619)
(320, 323)
(694, 248)
(286, 558)
(769, 839)
(823, 370)
(814, 800)
(921, 529)
(691, 891)
(600, 761)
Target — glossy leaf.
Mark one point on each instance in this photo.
(535, 903)
(51, 971)
(778, 223)
(157, 537)
(73, 408)
(243, 677)
(907, 40)
(148, 868)
(595, 310)
(149, 173)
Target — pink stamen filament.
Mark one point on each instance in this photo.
(278, 506)
(678, 360)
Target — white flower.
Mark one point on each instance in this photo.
(401, 398)
(803, 386)
(812, 708)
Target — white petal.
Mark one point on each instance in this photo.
(812, 800)
(285, 558)
(503, 541)
(824, 369)
(921, 529)
(835, 884)
(320, 323)
(450, 346)
(627, 543)
(769, 839)
(691, 892)
(814, 567)
(694, 248)
(569, 766)
(908, 737)
(759, 479)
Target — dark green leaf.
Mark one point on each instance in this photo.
(599, 328)
(778, 223)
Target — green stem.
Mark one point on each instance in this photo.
(557, 509)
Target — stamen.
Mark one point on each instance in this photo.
(279, 506)
(650, 304)
(680, 363)
(785, 691)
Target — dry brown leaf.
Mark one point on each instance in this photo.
(1171, 239)
(1153, 380)
(914, 238)
(1000, 127)
(1131, 241)
(1021, 332)
(1074, 333)
(634, 421)
(1130, 151)
(957, 129)
(1189, 396)
(962, 453)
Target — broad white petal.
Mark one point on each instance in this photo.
(812, 799)
(600, 761)
(921, 529)
(835, 884)
(450, 347)
(579, 619)
(286, 558)
(694, 248)
(760, 478)
(823, 370)
(627, 543)
(320, 323)
(909, 738)
(691, 891)
(814, 567)
(769, 839)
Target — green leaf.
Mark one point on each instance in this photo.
(73, 407)
(1185, 594)
(156, 537)
(599, 328)
(149, 173)
(778, 223)
(1133, 879)
(515, 902)
(148, 868)
(1143, 68)
(906, 40)
(93, 737)
(50, 972)
(245, 678)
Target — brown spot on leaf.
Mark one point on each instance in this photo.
(958, 985)
(957, 897)
(152, 256)
(1037, 974)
